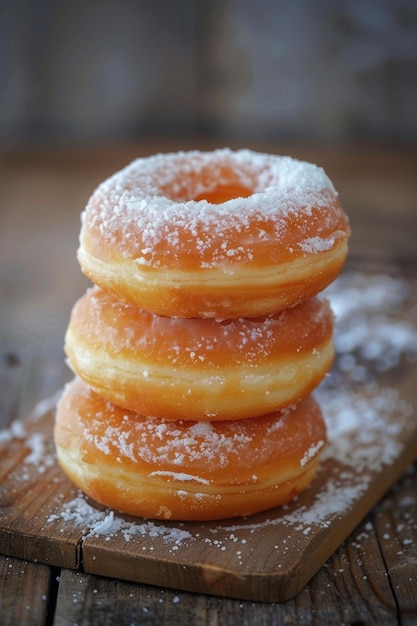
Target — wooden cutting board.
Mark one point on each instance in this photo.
(267, 557)
(369, 402)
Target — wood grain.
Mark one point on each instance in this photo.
(31, 584)
(264, 557)
(371, 578)
(352, 587)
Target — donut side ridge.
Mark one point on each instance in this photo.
(186, 471)
(164, 234)
(199, 369)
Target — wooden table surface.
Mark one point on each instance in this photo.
(372, 577)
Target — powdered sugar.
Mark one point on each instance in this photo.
(180, 476)
(312, 245)
(311, 452)
(149, 206)
(181, 343)
(371, 326)
(201, 447)
(364, 419)
(368, 422)
(106, 523)
(15, 431)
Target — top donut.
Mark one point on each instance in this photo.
(220, 234)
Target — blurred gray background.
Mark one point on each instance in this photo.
(311, 70)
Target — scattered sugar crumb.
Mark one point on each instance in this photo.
(154, 197)
(363, 418)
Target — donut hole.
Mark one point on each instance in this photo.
(223, 193)
(214, 182)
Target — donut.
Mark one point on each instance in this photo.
(185, 470)
(196, 368)
(220, 234)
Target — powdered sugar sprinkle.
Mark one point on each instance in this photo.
(367, 422)
(148, 209)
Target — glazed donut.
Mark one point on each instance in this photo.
(185, 470)
(198, 369)
(218, 234)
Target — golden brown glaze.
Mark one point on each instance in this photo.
(185, 470)
(199, 369)
(221, 234)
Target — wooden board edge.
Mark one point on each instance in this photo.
(268, 586)
(206, 578)
(41, 549)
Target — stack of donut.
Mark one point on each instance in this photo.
(198, 347)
